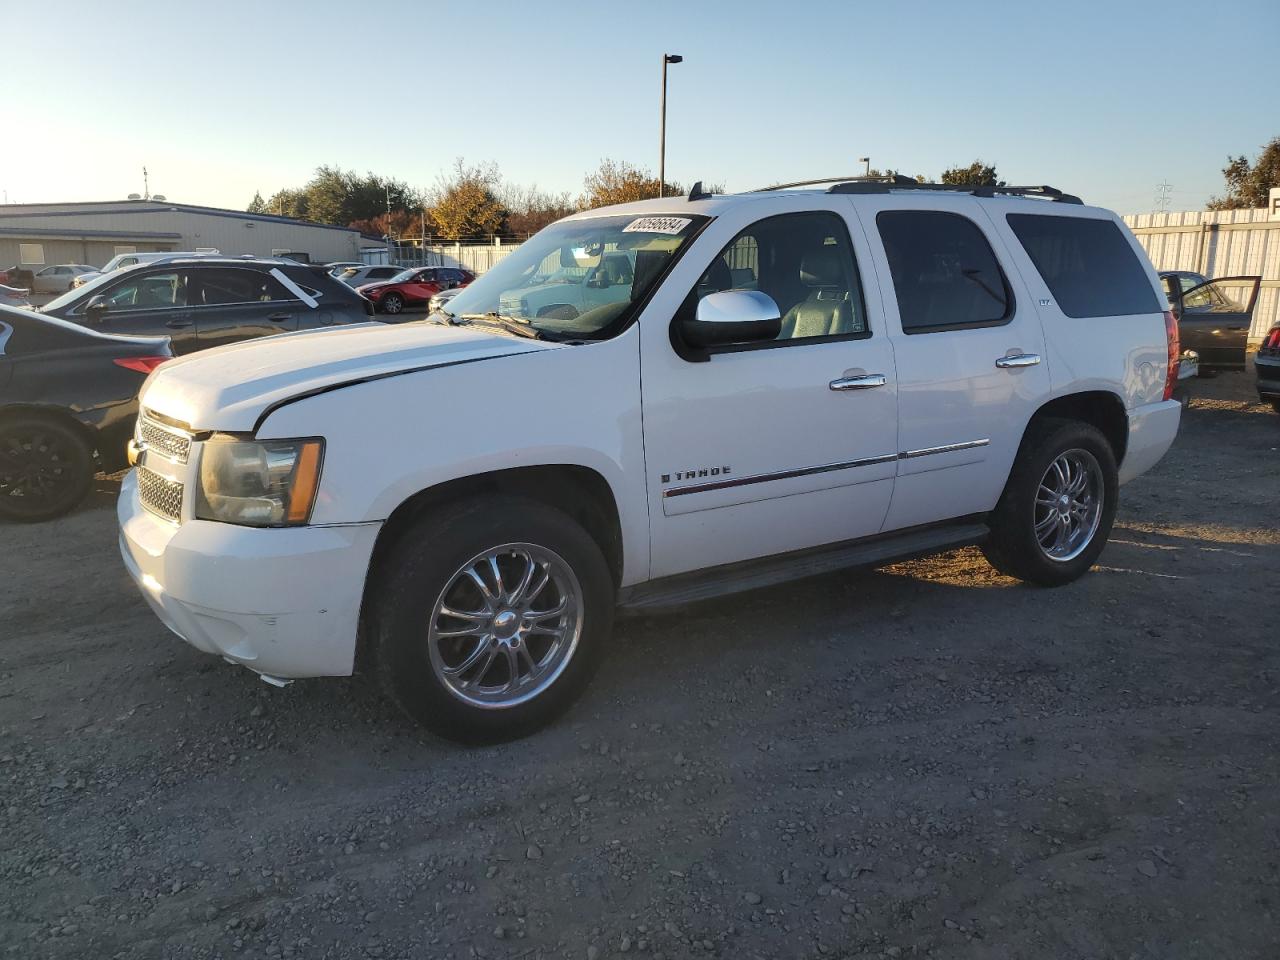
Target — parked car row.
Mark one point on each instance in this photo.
(208, 301)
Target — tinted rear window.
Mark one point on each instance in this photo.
(1089, 266)
(944, 272)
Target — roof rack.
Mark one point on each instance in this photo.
(895, 181)
(885, 185)
(811, 183)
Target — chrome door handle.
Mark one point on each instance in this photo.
(865, 382)
(1018, 360)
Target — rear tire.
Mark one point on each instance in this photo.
(46, 468)
(1058, 505)
(392, 303)
(469, 639)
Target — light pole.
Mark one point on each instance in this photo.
(867, 161)
(662, 138)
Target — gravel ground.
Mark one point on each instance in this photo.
(925, 760)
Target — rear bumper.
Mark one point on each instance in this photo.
(283, 602)
(1268, 369)
(1152, 429)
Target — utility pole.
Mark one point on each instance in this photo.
(146, 189)
(662, 136)
(1162, 196)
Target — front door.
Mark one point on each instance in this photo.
(1215, 319)
(232, 303)
(150, 303)
(782, 445)
(969, 349)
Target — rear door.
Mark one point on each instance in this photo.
(969, 350)
(236, 303)
(1215, 318)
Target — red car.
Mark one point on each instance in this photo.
(416, 285)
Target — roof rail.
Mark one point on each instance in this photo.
(814, 183)
(866, 185)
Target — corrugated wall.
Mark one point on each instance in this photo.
(1218, 243)
(232, 235)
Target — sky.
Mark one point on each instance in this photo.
(222, 99)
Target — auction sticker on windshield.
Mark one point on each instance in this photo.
(671, 225)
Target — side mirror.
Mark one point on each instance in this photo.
(733, 316)
(96, 307)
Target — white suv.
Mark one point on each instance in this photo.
(795, 381)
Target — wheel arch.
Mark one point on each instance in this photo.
(1100, 408)
(62, 415)
(579, 491)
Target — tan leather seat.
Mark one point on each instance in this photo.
(825, 311)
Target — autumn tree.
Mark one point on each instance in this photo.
(529, 209)
(616, 181)
(1249, 184)
(464, 203)
(979, 173)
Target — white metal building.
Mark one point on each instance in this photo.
(33, 235)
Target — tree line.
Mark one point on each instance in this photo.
(472, 200)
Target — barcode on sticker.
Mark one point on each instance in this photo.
(657, 225)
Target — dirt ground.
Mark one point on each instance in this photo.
(924, 760)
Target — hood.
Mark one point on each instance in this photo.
(375, 285)
(230, 388)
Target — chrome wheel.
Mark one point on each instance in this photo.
(506, 625)
(1069, 505)
(392, 303)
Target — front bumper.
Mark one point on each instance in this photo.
(1152, 430)
(1268, 370)
(284, 602)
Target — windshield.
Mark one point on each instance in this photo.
(579, 278)
(404, 276)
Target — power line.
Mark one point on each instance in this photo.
(1163, 189)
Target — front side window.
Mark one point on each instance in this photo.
(154, 291)
(580, 278)
(218, 286)
(805, 263)
(945, 274)
(1087, 264)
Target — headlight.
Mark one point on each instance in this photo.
(267, 483)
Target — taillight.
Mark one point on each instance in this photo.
(140, 364)
(1272, 343)
(1175, 351)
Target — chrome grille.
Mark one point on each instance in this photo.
(160, 495)
(167, 443)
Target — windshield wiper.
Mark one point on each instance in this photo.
(520, 326)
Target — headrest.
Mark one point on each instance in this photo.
(822, 269)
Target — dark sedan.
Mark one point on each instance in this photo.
(208, 301)
(1267, 364)
(68, 402)
(1213, 316)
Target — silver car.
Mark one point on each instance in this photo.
(58, 278)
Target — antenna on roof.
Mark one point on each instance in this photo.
(697, 193)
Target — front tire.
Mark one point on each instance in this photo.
(1058, 505)
(492, 618)
(46, 468)
(392, 303)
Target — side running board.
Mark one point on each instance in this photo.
(767, 571)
